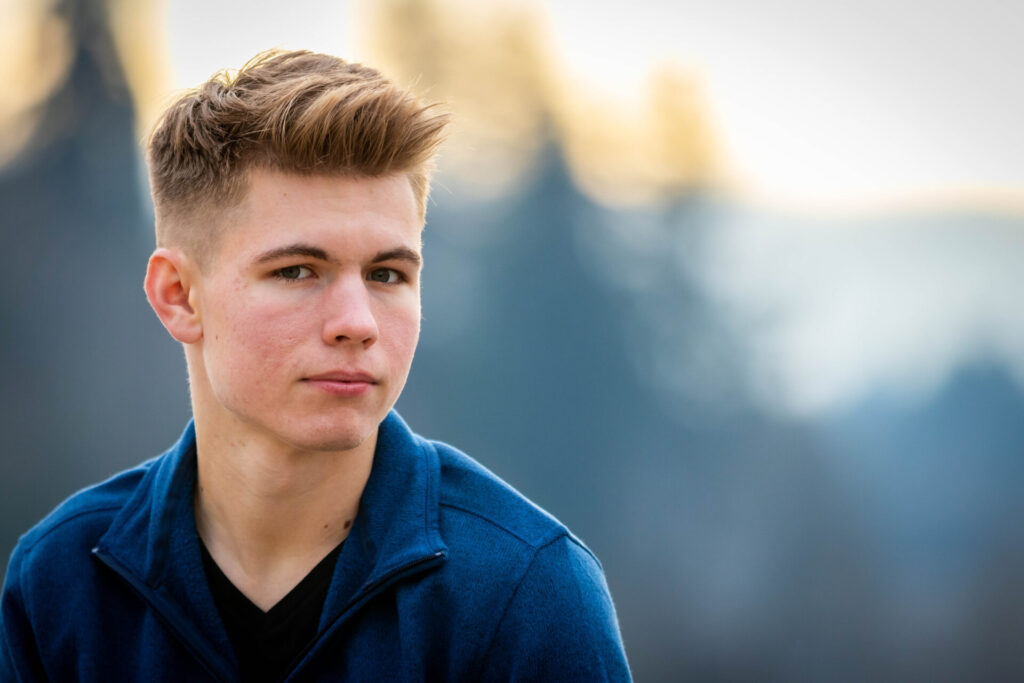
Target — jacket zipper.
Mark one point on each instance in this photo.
(197, 649)
(364, 595)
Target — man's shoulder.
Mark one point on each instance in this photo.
(475, 502)
(521, 579)
(83, 517)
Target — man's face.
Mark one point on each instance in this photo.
(310, 310)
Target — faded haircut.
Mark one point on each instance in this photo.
(296, 112)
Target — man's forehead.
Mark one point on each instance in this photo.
(288, 207)
(258, 228)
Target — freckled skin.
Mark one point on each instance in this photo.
(264, 335)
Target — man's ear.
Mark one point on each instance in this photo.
(168, 288)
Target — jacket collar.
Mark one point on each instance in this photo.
(398, 521)
(153, 543)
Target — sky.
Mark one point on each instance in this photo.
(226, 37)
(821, 105)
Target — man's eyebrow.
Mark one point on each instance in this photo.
(399, 254)
(297, 249)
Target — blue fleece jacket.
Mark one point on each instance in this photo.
(447, 574)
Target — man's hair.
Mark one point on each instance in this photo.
(296, 112)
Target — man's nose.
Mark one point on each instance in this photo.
(350, 316)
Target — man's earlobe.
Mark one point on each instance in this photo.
(168, 288)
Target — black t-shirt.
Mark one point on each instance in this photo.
(266, 643)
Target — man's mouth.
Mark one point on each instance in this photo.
(343, 376)
(342, 382)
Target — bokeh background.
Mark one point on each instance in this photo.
(731, 288)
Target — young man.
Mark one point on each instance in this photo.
(299, 530)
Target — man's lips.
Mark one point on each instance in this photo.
(342, 382)
(343, 376)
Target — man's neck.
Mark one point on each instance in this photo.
(269, 513)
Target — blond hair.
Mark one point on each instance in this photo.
(297, 112)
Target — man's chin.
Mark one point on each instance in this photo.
(333, 440)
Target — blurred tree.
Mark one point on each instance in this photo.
(490, 64)
(684, 156)
(81, 350)
(496, 67)
(34, 59)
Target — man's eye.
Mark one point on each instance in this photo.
(388, 276)
(294, 273)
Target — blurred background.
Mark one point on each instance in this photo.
(731, 288)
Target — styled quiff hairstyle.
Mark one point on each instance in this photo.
(296, 112)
